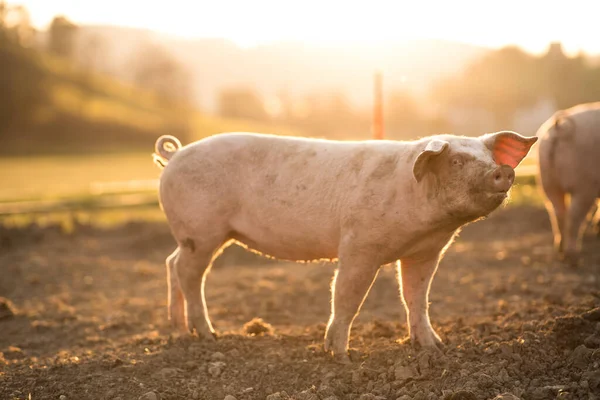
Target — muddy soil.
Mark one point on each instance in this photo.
(85, 318)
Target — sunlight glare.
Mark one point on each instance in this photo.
(531, 25)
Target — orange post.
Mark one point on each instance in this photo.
(378, 108)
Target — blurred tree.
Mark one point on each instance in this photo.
(565, 79)
(62, 35)
(21, 80)
(509, 79)
(501, 82)
(155, 69)
(241, 103)
(94, 53)
(15, 24)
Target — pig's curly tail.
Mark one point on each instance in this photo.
(164, 148)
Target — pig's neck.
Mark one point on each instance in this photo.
(433, 210)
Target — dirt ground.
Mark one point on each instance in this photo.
(90, 322)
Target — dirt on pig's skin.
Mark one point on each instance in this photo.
(89, 321)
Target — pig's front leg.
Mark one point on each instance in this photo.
(350, 287)
(415, 279)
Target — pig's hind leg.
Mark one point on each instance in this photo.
(176, 301)
(581, 202)
(414, 278)
(557, 210)
(193, 265)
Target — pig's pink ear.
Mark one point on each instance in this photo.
(434, 148)
(509, 148)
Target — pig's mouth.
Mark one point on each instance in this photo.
(500, 196)
(496, 198)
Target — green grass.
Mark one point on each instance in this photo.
(97, 218)
(526, 194)
(49, 177)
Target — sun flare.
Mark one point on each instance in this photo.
(531, 25)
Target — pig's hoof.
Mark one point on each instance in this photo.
(342, 358)
(434, 343)
(437, 348)
(339, 356)
(430, 348)
(208, 336)
(329, 346)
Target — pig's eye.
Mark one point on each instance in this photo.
(457, 162)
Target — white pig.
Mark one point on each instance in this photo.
(364, 203)
(569, 164)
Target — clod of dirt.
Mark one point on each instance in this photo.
(404, 373)
(461, 395)
(325, 391)
(571, 330)
(167, 373)
(592, 315)
(215, 369)
(308, 394)
(13, 353)
(257, 327)
(235, 353)
(370, 396)
(229, 397)
(592, 341)
(593, 380)
(217, 356)
(278, 396)
(581, 356)
(7, 309)
(149, 396)
(541, 394)
(506, 396)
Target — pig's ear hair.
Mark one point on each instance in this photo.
(508, 148)
(433, 149)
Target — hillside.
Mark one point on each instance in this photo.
(296, 68)
(59, 107)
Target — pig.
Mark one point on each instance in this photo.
(363, 203)
(569, 164)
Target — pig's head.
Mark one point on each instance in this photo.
(469, 177)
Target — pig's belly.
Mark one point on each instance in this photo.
(287, 240)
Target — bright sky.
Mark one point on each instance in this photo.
(531, 24)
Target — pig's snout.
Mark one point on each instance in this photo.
(501, 179)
